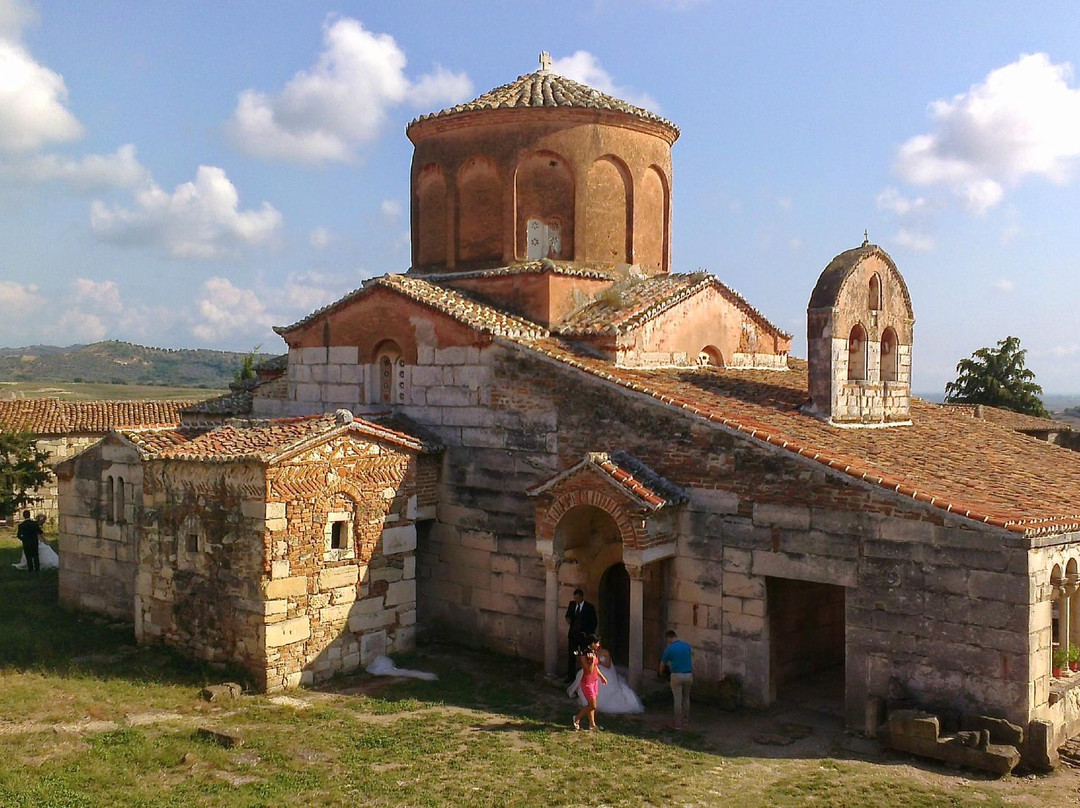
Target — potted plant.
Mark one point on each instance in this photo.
(1074, 657)
(1058, 660)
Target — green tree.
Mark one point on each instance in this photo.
(23, 467)
(997, 377)
(247, 366)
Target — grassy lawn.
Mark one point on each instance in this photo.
(73, 391)
(88, 719)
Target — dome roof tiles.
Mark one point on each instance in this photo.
(550, 90)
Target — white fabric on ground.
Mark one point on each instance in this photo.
(384, 666)
(46, 555)
(614, 697)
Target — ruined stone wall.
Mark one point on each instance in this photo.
(60, 448)
(202, 559)
(98, 551)
(328, 608)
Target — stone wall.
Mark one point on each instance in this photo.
(60, 448)
(201, 560)
(331, 610)
(931, 603)
(98, 552)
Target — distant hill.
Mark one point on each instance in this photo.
(114, 362)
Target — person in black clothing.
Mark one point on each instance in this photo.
(29, 534)
(581, 619)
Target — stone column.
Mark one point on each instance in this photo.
(551, 615)
(1071, 586)
(1063, 619)
(637, 621)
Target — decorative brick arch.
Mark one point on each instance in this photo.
(631, 531)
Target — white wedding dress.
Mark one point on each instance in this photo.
(614, 697)
(46, 555)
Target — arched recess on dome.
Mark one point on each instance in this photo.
(388, 379)
(544, 206)
(480, 206)
(651, 237)
(873, 293)
(890, 356)
(711, 357)
(609, 225)
(430, 216)
(857, 353)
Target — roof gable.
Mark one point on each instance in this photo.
(633, 479)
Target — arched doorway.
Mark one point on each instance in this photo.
(615, 612)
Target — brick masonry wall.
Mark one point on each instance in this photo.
(331, 610)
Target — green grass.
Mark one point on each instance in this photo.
(89, 719)
(74, 391)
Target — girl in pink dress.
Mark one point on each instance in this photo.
(591, 678)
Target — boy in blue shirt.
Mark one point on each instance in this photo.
(676, 660)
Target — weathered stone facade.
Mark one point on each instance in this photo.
(646, 437)
(295, 562)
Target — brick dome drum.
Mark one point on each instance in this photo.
(541, 168)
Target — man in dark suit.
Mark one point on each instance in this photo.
(581, 619)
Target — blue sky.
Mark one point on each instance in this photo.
(189, 174)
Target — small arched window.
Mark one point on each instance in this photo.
(857, 354)
(890, 359)
(874, 301)
(118, 516)
(110, 499)
(389, 385)
(710, 356)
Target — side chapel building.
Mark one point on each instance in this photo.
(541, 403)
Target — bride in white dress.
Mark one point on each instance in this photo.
(614, 697)
(46, 555)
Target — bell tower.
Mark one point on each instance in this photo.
(859, 327)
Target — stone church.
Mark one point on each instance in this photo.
(541, 403)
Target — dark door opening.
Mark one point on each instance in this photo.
(807, 639)
(615, 612)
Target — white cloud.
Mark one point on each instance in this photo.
(1003, 285)
(92, 172)
(225, 310)
(795, 244)
(914, 240)
(1022, 120)
(326, 112)
(15, 16)
(200, 219)
(390, 208)
(891, 199)
(102, 295)
(320, 238)
(583, 67)
(76, 325)
(18, 299)
(32, 102)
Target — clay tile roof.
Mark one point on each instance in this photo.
(572, 269)
(544, 89)
(629, 304)
(50, 416)
(264, 440)
(985, 472)
(1009, 419)
(629, 474)
(152, 441)
(483, 318)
